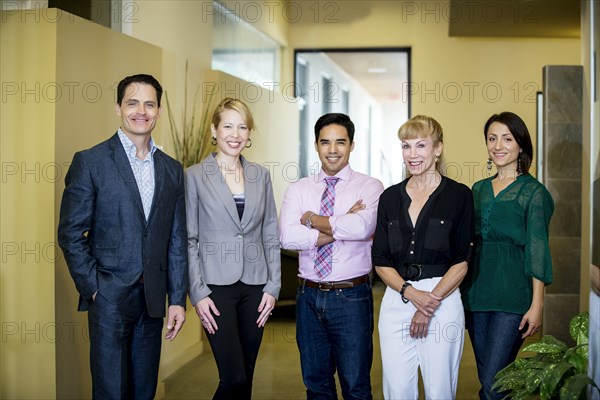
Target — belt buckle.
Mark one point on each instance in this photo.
(410, 267)
(322, 288)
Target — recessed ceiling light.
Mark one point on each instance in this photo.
(374, 70)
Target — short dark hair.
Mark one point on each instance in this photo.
(519, 130)
(139, 78)
(335, 118)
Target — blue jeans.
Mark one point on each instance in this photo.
(334, 331)
(496, 340)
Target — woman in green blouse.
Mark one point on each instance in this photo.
(503, 295)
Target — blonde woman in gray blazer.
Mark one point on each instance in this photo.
(233, 249)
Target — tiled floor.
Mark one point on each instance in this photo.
(278, 368)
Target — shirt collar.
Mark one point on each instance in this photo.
(129, 146)
(344, 174)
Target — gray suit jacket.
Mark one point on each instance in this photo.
(222, 249)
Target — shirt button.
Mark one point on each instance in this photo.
(442, 221)
(239, 236)
(412, 252)
(412, 242)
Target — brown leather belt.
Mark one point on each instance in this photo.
(326, 286)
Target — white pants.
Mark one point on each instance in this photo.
(438, 354)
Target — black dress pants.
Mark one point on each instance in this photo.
(236, 343)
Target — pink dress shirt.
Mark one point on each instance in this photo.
(353, 233)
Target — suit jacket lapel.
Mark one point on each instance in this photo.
(215, 177)
(251, 187)
(159, 180)
(120, 159)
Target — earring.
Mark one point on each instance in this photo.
(437, 159)
(519, 165)
(213, 141)
(249, 143)
(489, 166)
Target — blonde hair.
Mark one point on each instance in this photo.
(229, 103)
(423, 126)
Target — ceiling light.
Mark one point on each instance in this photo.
(374, 70)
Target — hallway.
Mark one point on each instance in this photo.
(278, 368)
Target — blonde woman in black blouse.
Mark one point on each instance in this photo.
(421, 250)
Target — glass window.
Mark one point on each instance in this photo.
(241, 50)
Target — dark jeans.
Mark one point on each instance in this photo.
(496, 340)
(334, 330)
(236, 343)
(124, 347)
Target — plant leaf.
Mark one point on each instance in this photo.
(534, 379)
(192, 143)
(577, 360)
(552, 377)
(578, 327)
(574, 387)
(513, 380)
(547, 345)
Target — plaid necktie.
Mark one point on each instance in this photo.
(323, 263)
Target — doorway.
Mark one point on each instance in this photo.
(371, 86)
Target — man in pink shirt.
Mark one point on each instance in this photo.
(330, 218)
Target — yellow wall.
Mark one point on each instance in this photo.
(183, 29)
(443, 68)
(27, 199)
(91, 59)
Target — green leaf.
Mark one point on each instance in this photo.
(533, 381)
(516, 365)
(517, 395)
(548, 344)
(574, 387)
(578, 327)
(551, 377)
(512, 380)
(578, 361)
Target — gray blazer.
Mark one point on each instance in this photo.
(222, 249)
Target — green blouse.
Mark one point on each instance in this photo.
(511, 232)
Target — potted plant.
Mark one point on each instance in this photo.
(192, 142)
(554, 372)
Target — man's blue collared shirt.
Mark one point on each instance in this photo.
(143, 170)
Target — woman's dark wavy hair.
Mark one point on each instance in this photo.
(519, 130)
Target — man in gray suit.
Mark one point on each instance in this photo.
(123, 233)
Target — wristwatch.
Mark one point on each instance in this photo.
(402, 290)
(308, 222)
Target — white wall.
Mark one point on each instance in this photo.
(320, 65)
